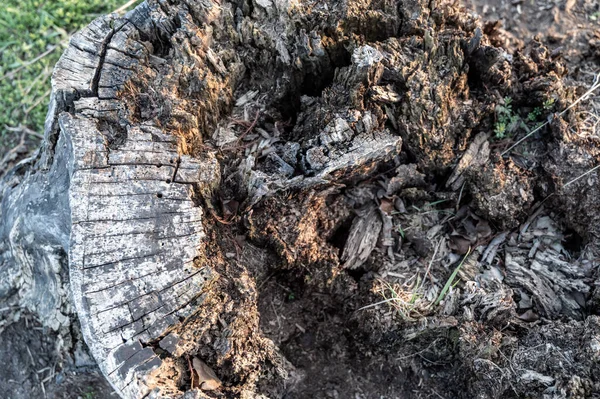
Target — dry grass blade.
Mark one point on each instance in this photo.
(125, 6)
(404, 307)
(582, 175)
(379, 303)
(437, 247)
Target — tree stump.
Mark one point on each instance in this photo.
(185, 125)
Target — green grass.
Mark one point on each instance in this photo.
(33, 34)
(451, 280)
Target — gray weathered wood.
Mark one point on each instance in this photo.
(101, 224)
(132, 248)
(122, 212)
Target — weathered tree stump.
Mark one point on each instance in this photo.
(184, 125)
(104, 216)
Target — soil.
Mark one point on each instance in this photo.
(424, 274)
(35, 368)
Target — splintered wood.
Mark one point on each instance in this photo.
(135, 231)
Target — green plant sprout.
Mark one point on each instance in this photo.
(508, 120)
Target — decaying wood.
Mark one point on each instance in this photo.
(116, 196)
(287, 122)
(537, 266)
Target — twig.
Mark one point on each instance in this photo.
(30, 355)
(437, 394)
(31, 62)
(191, 373)
(38, 101)
(239, 140)
(419, 352)
(460, 196)
(266, 280)
(124, 7)
(237, 145)
(23, 129)
(595, 85)
(382, 302)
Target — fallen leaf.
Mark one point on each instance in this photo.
(483, 229)
(207, 379)
(459, 244)
(386, 206)
(529, 316)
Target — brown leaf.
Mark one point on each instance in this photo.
(387, 205)
(207, 379)
(459, 244)
(483, 229)
(529, 316)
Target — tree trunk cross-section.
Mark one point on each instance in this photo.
(134, 237)
(135, 233)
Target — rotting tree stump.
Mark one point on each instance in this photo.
(118, 221)
(109, 197)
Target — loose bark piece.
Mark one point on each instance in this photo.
(363, 237)
(477, 154)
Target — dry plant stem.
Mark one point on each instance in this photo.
(33, 61)
(124, 7)
(430, 264)
(582, 175)
(379, 303)
(595, 85)
(23, 129)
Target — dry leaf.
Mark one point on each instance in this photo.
(459, 244)
(387, 206)
(207, 379)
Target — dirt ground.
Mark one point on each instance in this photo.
(479, 281)
(33, 366)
